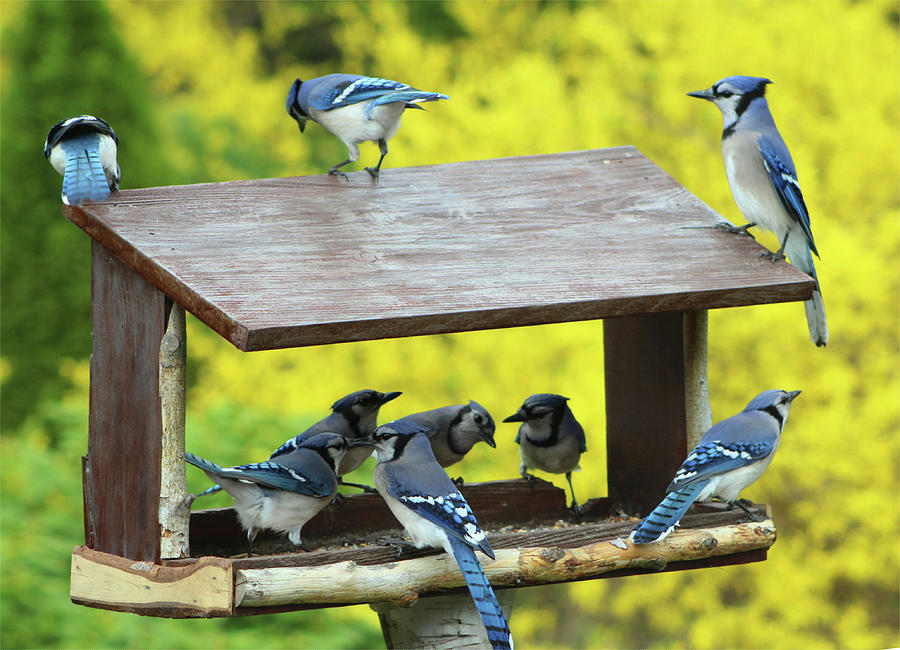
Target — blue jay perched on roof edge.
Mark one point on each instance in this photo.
(549, 437)
(763, 181)
(454, 430)
(83, 149)
(281, 495)
(355, 109)
(730, 456)
(353, 416)
(434, 513)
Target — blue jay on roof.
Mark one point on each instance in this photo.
(763, 181)
(353, 416)
(454, 430)
(730, 456)
(355, 109)
(549, 437)
(434, 513)
(83, 149)
(281, 495)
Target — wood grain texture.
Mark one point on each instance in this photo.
(462, 246)
(122, 473)
(646, 427)
(203, 589)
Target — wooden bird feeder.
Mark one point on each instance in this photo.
(290, 262)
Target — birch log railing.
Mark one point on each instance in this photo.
(292, 262)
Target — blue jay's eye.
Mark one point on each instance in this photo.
(725, 93)
(477, 417)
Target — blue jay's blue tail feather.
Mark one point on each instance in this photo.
(666, 515)
(84, 178)
(202, 463)
(485, 601)
(801, 257)
(212, 490)
(408, 96)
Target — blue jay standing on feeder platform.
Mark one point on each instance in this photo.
(730, 456)
(549, 438)
(434, 513)
(83, 149)
(353, 416)
(763, 181)
(355, 109)
(281, 495)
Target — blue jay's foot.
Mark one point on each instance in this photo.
(576, 512)
(528, 477)
(374, 172)
(772, 257)
(338, 500)
(368, 489)
(188, 500)
(396, 543)
(458, 481)
(742, 504)
(737, 230)
(334, 172)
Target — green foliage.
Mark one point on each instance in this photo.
(526, 78)
(64, 59)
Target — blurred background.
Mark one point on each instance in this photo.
(196, 92)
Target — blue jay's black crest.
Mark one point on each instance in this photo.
(729, 457)
(83, 149)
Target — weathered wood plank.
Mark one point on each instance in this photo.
(646, 431)
(203, 589)
(310, 260)
(349, 582)
(122, 472)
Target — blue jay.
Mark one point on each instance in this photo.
(763, 181)
(355, 109)
(281, 495)
(549, 438)
(454, 430)
(83, 149)
(353, 416)
(434, 513)
(730, 456)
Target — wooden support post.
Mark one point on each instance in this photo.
(174, 513)
(122, 469)
(698, 415)
(646, 435)
(441, 622)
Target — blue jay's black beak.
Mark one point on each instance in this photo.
(518, 416)
(702, 94)
(362, 442)
(792, 394)
(488, 436)
(389, 396)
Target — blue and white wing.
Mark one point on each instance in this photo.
(272, 475)
(718, 456)
(783, 176)
(345, 89)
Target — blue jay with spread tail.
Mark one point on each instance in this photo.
(354, 416)
(730, 456)
(281, 495)
(355, 109)
(454, 430)
(763, 181)
(83, 149)
(434, 513)
(549, 438)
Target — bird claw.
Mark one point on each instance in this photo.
(334, 172)
(744, 504)
(576, 512)
(529, 477)
(374, 172)
(458, 481)
(399, 545)
(772, 257)
(724, 226)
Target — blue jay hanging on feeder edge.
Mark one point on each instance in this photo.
(434, 513)
(83, 149)
(764, 183)
(730, 456)
(354, 416)
(454, 430)
(355, 109)
(549, 438)
(281, 495)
